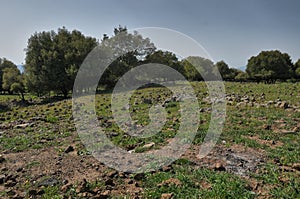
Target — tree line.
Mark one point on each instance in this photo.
(54, 58)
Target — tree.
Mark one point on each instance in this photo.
(241, 76)
(4, 63)
(13, 81)
(297, 69)
(270, 66)
(224, 70)
(53, 59)
(127, 50)
(193, 64)
(166, 58)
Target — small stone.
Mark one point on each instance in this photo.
(284, 105)
(32, 192)
(296, 166)
(151, 144)
(105, 194)
(22, 126)
(166, 196)
(219, 167)
(112, 174)
(10, 183)
(65, 187)
(69, 149)
(48, 182)
(2, 159)
(19, 169)
(2, 179)
(139, 176)
(266, 127)
(109, 182)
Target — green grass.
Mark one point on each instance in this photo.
(241, 124)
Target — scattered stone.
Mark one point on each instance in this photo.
(109, 182)
(170, 182)
(284, 105)
(166, 196)
(219, 167)
(69, 149)
(66, 187)
(296, 129)
(296, 166)
(19, 169)
(2, 159)
(48, 182)
(105, 194)
(2, 178)
(139, 176)
(112, 174)
(81, 187)
(32, 192)
(266, 127)
(22, 126)
(147, 146)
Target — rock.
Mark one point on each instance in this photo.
(296, 166)
(2, 159)
(10, 192)
(22, 126)
(109, 182)
(139, 176)
(241, 104)
(112, 174)
(19, 169)
(283, 104)
(69, 149)
(105, 194)
(32, 192)
(166, 196)
(48, 182)
(170, 182)
(296, 129)
(266, 127)
(81, 187)
(219, 167)
(2, 178)
(65, 187)
(151, 144)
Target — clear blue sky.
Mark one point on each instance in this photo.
(230, 30)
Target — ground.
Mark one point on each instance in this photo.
(257, 155)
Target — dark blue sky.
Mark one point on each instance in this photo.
(230, 30)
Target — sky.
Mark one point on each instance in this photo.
(229, 30)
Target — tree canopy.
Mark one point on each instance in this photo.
(53, 59)
(4, 64)
(270, 66)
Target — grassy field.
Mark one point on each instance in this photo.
(257, 155)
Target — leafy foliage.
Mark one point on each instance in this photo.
(270, 66)
(53, 59)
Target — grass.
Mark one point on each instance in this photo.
(54, 124)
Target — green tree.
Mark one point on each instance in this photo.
(166, 58)
(4, 63)
(297, 69)
(224, 70)
(241, 76)
(13, 81)
(53, 59)
(130, 50)
(270, 66)
(193, 64)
